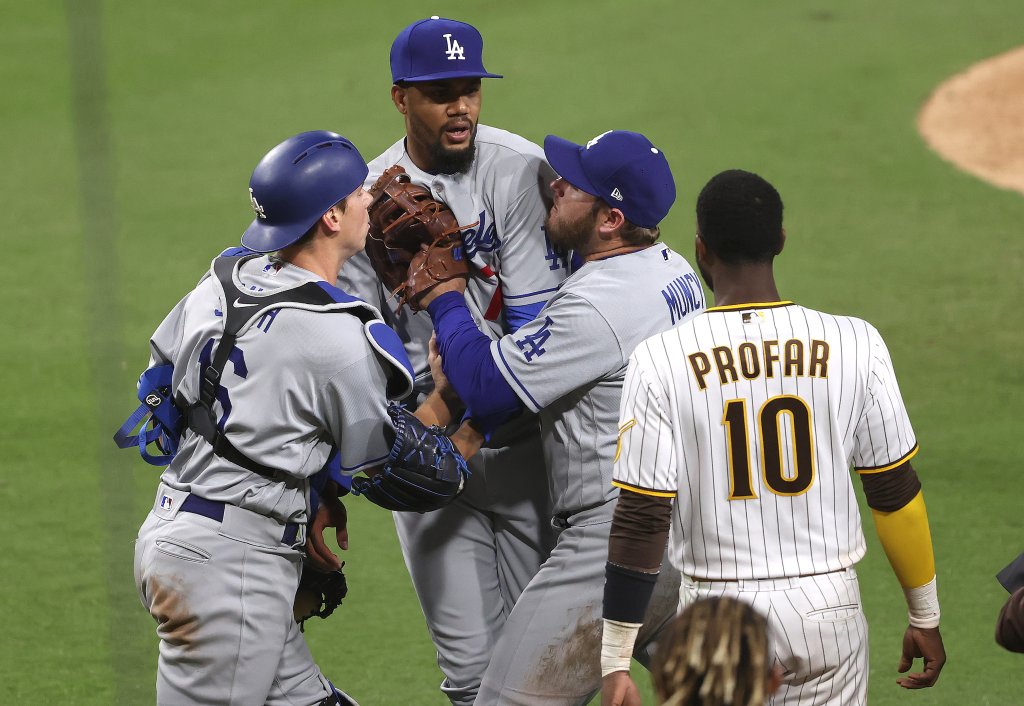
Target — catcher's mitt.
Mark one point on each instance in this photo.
(423, 472)
(405, 220)
(319, 593)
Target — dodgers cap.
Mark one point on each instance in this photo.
(297, 182)
(437, 48)
(621, 168)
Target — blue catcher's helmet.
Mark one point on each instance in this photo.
(296, 183)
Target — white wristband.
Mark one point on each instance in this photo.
(617, 641)
(923, 605)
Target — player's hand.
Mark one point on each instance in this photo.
(618, 689)
(331, 513)
(925, 643)
(441, 384)
(456, 284)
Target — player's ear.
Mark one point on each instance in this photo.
(332, 219)
(610, 220)
(782, 241)
(700, 248)
(398, 96)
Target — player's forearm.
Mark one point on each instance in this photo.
(636, 545)
(467, 440)
(435, 411)
(467, 362)
(906, 539)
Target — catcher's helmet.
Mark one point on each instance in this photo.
(296, 183)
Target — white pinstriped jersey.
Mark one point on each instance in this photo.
(751, 416)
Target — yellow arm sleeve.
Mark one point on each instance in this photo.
(907, 541)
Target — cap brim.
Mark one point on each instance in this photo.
(565, 158)
(444, 75)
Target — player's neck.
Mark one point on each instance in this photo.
(611, 251)
(745, 284)
(321, 262)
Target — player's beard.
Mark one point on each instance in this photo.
(571, 234)
(452, 160)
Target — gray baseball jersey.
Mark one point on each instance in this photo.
(470, 560)
(569, 365)
(752, 416)
(216, 549)
(501, 202)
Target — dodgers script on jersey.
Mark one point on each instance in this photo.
(584, 336)
(762, 403)
(513, 262)
(284, 404)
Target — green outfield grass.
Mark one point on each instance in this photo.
(129, 132)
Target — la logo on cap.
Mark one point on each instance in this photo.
(595, 140)
(256, 204)
(455, 50)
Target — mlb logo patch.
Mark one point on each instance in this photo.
(166, 502)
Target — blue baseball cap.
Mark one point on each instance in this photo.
(621, 168)
(435, 49)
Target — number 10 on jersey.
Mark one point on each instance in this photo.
(783, 423)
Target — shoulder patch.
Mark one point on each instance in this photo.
(387, 343)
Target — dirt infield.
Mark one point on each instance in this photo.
(976, 120)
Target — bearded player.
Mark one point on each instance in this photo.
(750, 417)
(470, 561)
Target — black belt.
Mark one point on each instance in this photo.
(214, 509)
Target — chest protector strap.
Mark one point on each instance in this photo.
(241, 308)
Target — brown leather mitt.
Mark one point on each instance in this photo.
(414, 241)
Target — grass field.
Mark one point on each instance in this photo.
(130, 130)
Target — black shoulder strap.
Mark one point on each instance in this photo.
(240, 307)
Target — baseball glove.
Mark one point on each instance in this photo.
(423, 472)
(406, 221)
(319, 593)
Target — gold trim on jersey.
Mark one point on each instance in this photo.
(882, 469)
(622, 430)
(751, 305)
(644, 491)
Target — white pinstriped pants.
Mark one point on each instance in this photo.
(817, 629)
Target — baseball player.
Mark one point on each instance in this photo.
(568, 365)
(749, 417)
(470, 561)
(273, 371)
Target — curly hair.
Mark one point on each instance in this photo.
(714, 654)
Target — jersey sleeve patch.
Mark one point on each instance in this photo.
(387, 343)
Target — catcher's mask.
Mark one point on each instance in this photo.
(296, 183)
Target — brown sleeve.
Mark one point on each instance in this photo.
(1010, 625)
(639, 531)
(890, 490)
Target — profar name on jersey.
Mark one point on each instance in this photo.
(792, 358)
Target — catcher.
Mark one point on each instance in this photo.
(268, 388)
(414, 244)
